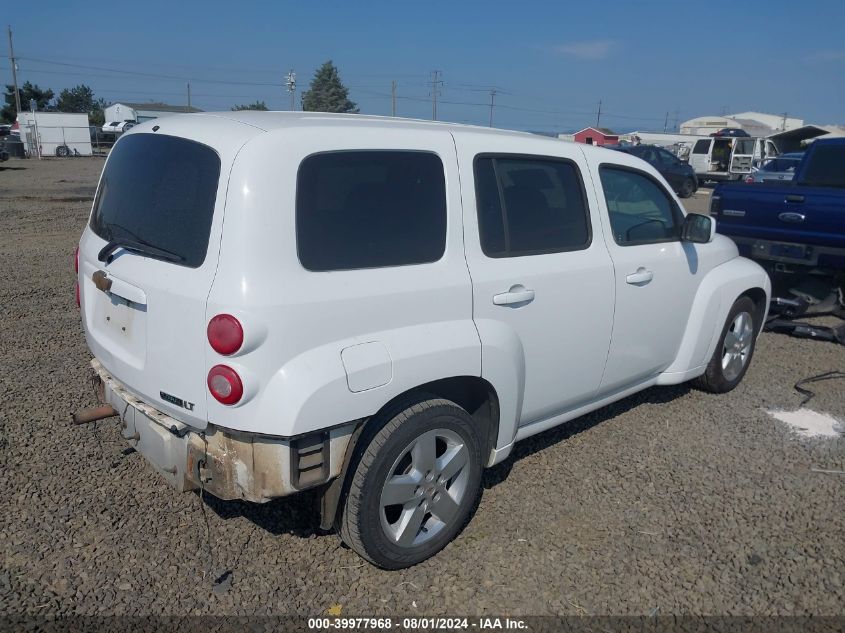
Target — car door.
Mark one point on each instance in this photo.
(742, 156)
(654, 274)
(700, 156)
(541, 273)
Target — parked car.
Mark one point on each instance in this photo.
(5, 130)
(680, 175)
(733, 132)
(796, 224)
(780, 168)
(725, 158)
(116, 127)
(388, 307)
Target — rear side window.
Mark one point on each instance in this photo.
(702, 146)
(530, 206)
(370, 209)
(826, 167)
(159, 191)
(744, 146)
(641, 212)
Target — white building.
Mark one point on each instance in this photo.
(141, 112)
(777, 122)
(755, 123)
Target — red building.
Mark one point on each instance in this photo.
(596, 136)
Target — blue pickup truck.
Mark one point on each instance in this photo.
(796, 225)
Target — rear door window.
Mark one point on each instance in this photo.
(702, 146)
(159, 191)
(530, 206)
(370, 209)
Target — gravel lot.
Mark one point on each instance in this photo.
(672, 499)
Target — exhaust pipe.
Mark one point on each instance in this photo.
(92, 414)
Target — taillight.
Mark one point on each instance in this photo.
(749, 180)
(715, 205)
(225, 334)
(76, 261)
(225, 384)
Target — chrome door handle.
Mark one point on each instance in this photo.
(516, 294)
(791, 216)
(641, 277)
(793, 198)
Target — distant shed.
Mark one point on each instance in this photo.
(596, 136)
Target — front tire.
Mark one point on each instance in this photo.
(415, 487)
(734, 350)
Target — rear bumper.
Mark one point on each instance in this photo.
(815, 256)
(227, 464)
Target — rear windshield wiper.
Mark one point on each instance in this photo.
(138, 246)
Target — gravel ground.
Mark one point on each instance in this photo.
(672, 499)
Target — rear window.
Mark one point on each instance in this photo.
(826, 167)
(701, 147)
(159, 191)
(744, 146)
(370, 209)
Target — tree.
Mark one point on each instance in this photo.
(327, 92)
(77, 99)
(258, 105)
(81, 99)
(27, 92)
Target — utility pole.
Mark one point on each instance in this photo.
(189, 97)
(290, 83)
(598, 116)
(393, 97)
(492, 97)
(435, 91)
(666, 122)
(14, 63)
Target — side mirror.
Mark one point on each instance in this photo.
(698, 228)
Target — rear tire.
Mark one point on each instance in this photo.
(734, 350)
(416, 485)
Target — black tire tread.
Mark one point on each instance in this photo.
(712, 380)
(349, 522)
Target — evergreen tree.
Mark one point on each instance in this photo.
(27, 92)
(81, 99)
(258, 105)
(327, 92)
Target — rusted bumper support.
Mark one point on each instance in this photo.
(228, 464)
(92, 414)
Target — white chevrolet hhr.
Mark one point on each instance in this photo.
(380, 308)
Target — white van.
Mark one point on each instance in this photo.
(380, 308)
(729, 158)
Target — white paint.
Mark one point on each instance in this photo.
(809, 423)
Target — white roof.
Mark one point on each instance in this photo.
(277, 120)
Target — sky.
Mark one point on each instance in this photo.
(651, 64)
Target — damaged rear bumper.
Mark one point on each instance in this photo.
(226, 463)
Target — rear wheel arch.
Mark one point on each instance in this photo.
(473, 394)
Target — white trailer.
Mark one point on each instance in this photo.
(50, 132)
